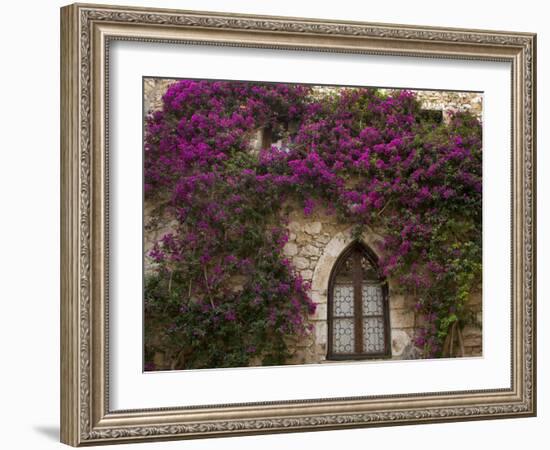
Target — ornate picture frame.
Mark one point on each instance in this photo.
(87, 31)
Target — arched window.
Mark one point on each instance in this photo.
(358, 315)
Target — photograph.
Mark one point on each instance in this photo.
(288, 223)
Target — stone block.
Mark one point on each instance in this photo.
(310, 358)
(471, 330)
(290, 249)
(318, 244)
(320, 312)
(472, 336)
(336, 245)
(312, 228)
(401, 318)
(301, 263)
(294, 226)
(474, 351)
(307, 274)
(397, 302)
(318, 297)
(310, 250)
(399, 341)
(322, 271)
(304, 342)
(321, 332)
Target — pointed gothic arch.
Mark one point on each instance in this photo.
(358, 306)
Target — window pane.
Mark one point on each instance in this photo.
(343, 336)
(368, 270)
(343, 300)
(372, 300)
(373, 334)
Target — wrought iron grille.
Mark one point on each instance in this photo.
(358, 309)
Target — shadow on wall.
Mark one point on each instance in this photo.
(49, 431)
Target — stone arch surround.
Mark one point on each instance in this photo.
(339, 242)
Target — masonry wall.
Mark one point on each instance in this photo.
(315, 243)
(447, 102)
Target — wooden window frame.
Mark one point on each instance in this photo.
(357, 248)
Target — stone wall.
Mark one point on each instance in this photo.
(153, 90)
(447, 101)
(315, 243)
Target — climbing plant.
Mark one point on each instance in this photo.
(221, 292)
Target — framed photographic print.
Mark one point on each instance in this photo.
(276, 224)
